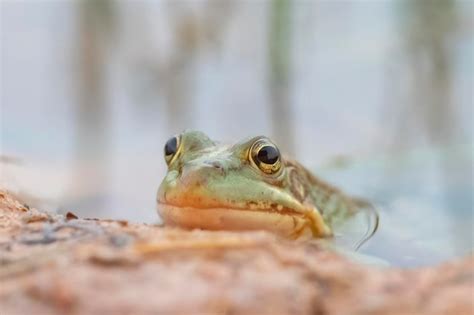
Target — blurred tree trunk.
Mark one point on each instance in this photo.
(192, 32)
(279, 49)
(428, 39)
(429, 29)
(177, 73)
(94, 30)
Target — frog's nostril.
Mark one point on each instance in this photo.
(217, 165)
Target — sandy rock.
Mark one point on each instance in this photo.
(52, 264)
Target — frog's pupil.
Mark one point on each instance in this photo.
(171, 146)
(268, 154)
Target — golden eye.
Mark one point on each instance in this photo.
(171, 149)
(266, 156)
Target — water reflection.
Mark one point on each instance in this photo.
(279, 60)
(429, 114)
(96, 28)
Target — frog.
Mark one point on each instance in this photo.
(250, 185)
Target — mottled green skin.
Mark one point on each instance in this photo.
(205, 174)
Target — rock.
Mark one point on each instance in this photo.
(52, 264)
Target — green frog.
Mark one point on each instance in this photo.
(251, 186)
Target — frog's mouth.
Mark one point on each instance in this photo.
(287, 223)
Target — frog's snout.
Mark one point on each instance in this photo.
(190, 182)
(217, 165)
(195, 176)
(190, 174)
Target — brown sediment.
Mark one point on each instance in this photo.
(106, 267)
(71, 216)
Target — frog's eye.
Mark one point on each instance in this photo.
(266, 156)
(171, 150)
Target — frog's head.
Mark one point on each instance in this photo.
(245, 186)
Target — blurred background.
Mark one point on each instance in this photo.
(374, 96)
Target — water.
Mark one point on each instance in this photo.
(424, 198)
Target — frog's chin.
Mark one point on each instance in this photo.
(288, 225)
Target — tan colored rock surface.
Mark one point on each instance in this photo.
(52, 264)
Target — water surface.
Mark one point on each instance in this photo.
(424, 198)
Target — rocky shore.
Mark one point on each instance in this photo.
(55, 264)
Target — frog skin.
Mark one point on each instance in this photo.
(247, 186)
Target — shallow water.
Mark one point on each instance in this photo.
(424, 198)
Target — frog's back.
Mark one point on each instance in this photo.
(339, 210)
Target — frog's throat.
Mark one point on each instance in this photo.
(288, 224)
